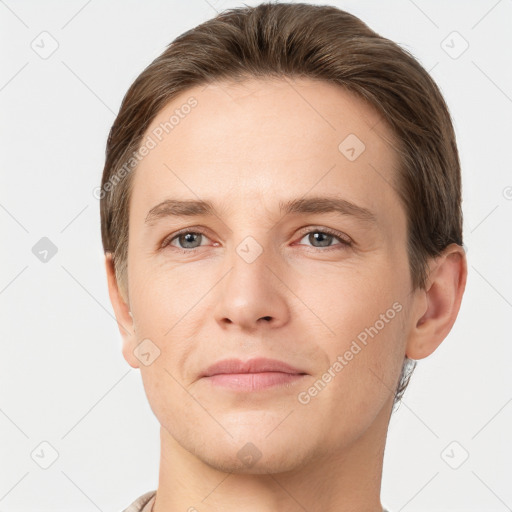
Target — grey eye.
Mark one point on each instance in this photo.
(323, 239)
(189, 240)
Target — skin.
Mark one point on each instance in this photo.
(245, 147)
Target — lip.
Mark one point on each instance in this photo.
(252, 375)
(258, 365)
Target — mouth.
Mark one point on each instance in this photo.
(253, 375)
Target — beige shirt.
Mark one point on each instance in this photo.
(145, 503)
(142, 504)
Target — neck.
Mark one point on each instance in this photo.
(342, 481)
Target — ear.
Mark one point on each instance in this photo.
(437, 306)
(123, 315)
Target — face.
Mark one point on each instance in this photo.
(301, 260)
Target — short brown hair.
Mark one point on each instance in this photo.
(309, 41)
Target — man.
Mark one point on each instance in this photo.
(283, 235)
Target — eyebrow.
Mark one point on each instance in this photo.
(196, 208)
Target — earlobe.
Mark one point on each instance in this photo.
(439, 304)
(123, 314)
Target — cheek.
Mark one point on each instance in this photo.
(169, 401)
(171, 308)
(164, 296)
(365, 313)
(349, 298)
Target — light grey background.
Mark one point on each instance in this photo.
(63, 380)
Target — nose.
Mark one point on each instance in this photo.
(252, 296)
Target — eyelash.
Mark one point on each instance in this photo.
(345, 242)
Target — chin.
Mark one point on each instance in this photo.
(269, 462)
(251, 451)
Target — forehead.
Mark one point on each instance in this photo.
(257, 140)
